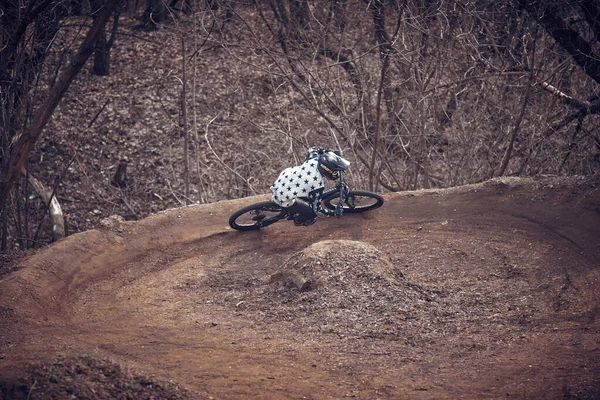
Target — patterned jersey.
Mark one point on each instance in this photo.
(297, 181)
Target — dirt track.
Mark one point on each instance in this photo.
(484, 291)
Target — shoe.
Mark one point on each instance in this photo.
(310, 221)
(307, 222)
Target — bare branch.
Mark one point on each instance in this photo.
(565, 98)
(221, 160)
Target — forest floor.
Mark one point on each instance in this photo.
(482, 291)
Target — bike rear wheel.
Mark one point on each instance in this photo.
(357, 201)
(256, 216)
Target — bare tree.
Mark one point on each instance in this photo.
(18, 67)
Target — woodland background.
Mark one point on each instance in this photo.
(124, 107)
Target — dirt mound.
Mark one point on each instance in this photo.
(330, 286)
(345, 266)
(89, 378)
(341, 285)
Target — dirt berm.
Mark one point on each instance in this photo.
(483, 291)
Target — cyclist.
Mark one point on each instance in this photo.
(299, 188)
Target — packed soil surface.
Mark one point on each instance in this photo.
(482, 291)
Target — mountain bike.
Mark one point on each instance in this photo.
(335, 200)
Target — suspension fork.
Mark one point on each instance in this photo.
(344, 190)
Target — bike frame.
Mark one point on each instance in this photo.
(340, 186)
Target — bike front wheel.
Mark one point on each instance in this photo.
(357, 201)
(256, 216)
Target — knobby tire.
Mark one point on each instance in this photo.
(357, 201)
(257, 215)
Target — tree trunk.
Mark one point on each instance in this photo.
(103, 45)
(101, 56)
(186, 132)
(581, 51)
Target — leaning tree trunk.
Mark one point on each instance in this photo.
(48, 195)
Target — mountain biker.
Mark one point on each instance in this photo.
(299, 188)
